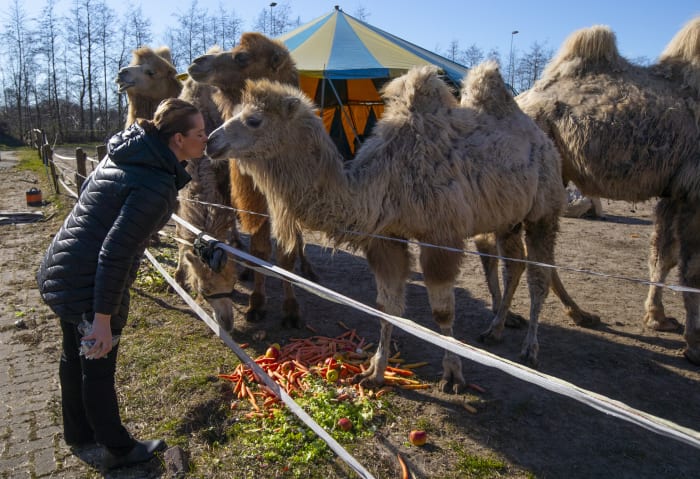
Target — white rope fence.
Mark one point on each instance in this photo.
(673, 287)
(551, 383)
(601, 403)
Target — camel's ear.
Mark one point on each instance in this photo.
(291, 105)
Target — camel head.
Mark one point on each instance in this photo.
(216, 288)
(150, 74)
(420, 90)
(255, 57)
(268, 111)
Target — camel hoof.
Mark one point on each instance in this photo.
(255, 315)
(371, 383)
(447, 386)
(529, 355)
(586, 320)
(515, 321)
(662, 323)
(489, 337)
(692, 354)
(291, 321)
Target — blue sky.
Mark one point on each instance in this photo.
(643, 27)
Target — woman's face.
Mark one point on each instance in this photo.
(190, 144)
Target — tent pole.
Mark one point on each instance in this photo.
(347, 117)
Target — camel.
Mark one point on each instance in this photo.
(256, 56)
(628, 132)
(209, 185)
(149, 79)
(481, 92)
(431, 171)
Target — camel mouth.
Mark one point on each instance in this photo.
(214, 152)
(122, 86)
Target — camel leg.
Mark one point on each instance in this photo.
(580, 317)
(390, 263)
(181, 270)
(689, 265)
(260, 247)
(486, 245)
(663, 256)
(290, 307)
(440, 268)
(510, 245)
(307, 271)
(539, 239)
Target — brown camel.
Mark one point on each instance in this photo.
(632, 133)
(256, 56)
(431, 171)
(209, 186)
(149, 79)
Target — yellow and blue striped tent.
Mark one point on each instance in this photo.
(343, 62)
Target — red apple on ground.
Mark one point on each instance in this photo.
(417, 437)
(345, 424)
(273, 351)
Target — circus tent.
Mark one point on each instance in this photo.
(343, 62)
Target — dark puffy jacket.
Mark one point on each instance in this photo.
(93, 259)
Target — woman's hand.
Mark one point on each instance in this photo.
(102, 334)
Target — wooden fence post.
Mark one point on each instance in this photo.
(80, 159)
(101, 152)
(47, 154)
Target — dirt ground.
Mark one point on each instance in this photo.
(537, 433)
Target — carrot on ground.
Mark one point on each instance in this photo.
(404, 467)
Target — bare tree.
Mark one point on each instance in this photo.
(361, 13)
(104, 22)
(531, 65)
(472, 56)
(48, 44)
(453, 52)
(16, 39)
(228, 28)
(276, 20)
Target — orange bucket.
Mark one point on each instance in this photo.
(34, 197)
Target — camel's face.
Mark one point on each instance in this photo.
(148, 75)
(236, 137)
(256, 56)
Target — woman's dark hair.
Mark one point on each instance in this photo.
(173, 116)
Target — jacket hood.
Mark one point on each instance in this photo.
(134, 146)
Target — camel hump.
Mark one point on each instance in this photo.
(680, 61)
(685, 45)
(584, 51)
(484, 88)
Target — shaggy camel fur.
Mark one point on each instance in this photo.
(431, 171)
(149, 79)
(482, 92)
(632, 133)
(209, 184)
(256, 56)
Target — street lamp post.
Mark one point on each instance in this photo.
(512, 67)
(272, 23)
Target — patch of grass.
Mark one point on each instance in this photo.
(471, 466)
(30, 160)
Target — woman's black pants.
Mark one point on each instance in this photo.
(88, 397)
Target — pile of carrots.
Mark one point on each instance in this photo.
(335, 360)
